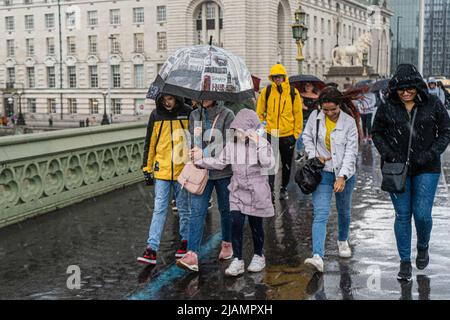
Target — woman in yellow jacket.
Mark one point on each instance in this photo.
(165, 152)
(280, 109)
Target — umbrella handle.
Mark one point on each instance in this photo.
(210, 40)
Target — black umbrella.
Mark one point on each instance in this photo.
(380, 85)
(299, 80)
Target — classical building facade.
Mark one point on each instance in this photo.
(62, 67)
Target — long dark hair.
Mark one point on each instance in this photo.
(345, 101)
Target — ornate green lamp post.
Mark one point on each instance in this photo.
(300, 34)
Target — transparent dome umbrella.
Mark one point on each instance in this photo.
(204, 72)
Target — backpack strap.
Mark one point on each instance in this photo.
(268, 90)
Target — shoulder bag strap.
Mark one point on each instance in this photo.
(212, 128)
(410, 136)
(317, 130)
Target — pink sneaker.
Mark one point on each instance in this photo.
(188, 262)
(226, 252)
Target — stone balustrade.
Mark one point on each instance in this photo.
(46, 171)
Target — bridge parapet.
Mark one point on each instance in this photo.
(46, 171)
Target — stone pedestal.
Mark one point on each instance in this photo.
(347, 76)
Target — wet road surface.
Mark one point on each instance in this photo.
(103, 236)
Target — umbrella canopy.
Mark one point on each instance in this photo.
(380, 85)
(363, 83)
(204, 72)
(299, 80)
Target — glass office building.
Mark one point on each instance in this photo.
(437, 38)
(404, 32)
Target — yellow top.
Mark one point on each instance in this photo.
(330, 127)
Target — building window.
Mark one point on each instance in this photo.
(29, 22)
(9, 23)
(115, 44)
(209, 22)
(28, 2)
(49, 20)
(71, 45)
(72, 105)
(114, 16)
(138, 15)
(139, 76)
(31, 77)
(93, 106)
(51, 105)
(115, 73)
(161, 13)
(70, 19)
(93, 76)
(10, 48)
(116, 106)
(72, 76)
(31, 105)
(50, 46)
(92, 18)
(29, 44)
(7, 2)
(11, 75)
(162, 41)
(51, 77)
(92, 44)
(139, 42)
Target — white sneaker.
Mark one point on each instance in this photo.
(257, 264)
(236, 268)
(344, 249)
(315, 261)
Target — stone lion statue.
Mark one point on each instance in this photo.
(341, 55)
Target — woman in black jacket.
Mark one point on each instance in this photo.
(407, 95)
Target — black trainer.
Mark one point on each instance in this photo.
(148, 257)
(405, 273)
(422, 259)
(284, 194)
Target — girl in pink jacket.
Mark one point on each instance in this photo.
(251, 157)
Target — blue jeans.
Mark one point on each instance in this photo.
(417, 201)
(322, 205)
(199, 207)
(162, 193)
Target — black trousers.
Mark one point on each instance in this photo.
(286, 148)
(366, 120)
(237, 233)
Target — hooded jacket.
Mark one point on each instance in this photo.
(392, 123)
(281, 113)
(226, 116)
(160, 149)
(249, 187)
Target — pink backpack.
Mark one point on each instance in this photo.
(192, 178)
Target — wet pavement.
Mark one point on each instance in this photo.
(103, 236)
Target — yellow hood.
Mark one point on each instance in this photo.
(278, 69)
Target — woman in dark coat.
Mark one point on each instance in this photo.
(407, 95)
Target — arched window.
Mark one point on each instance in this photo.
(209, 22)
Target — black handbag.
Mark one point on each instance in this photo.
(395, 174)
(309, 175)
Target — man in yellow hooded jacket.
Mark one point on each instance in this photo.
(281, 110)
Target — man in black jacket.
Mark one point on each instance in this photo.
(391, 130)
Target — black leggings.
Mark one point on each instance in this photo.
(237, 233)
(286, 147)
(366, 120)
